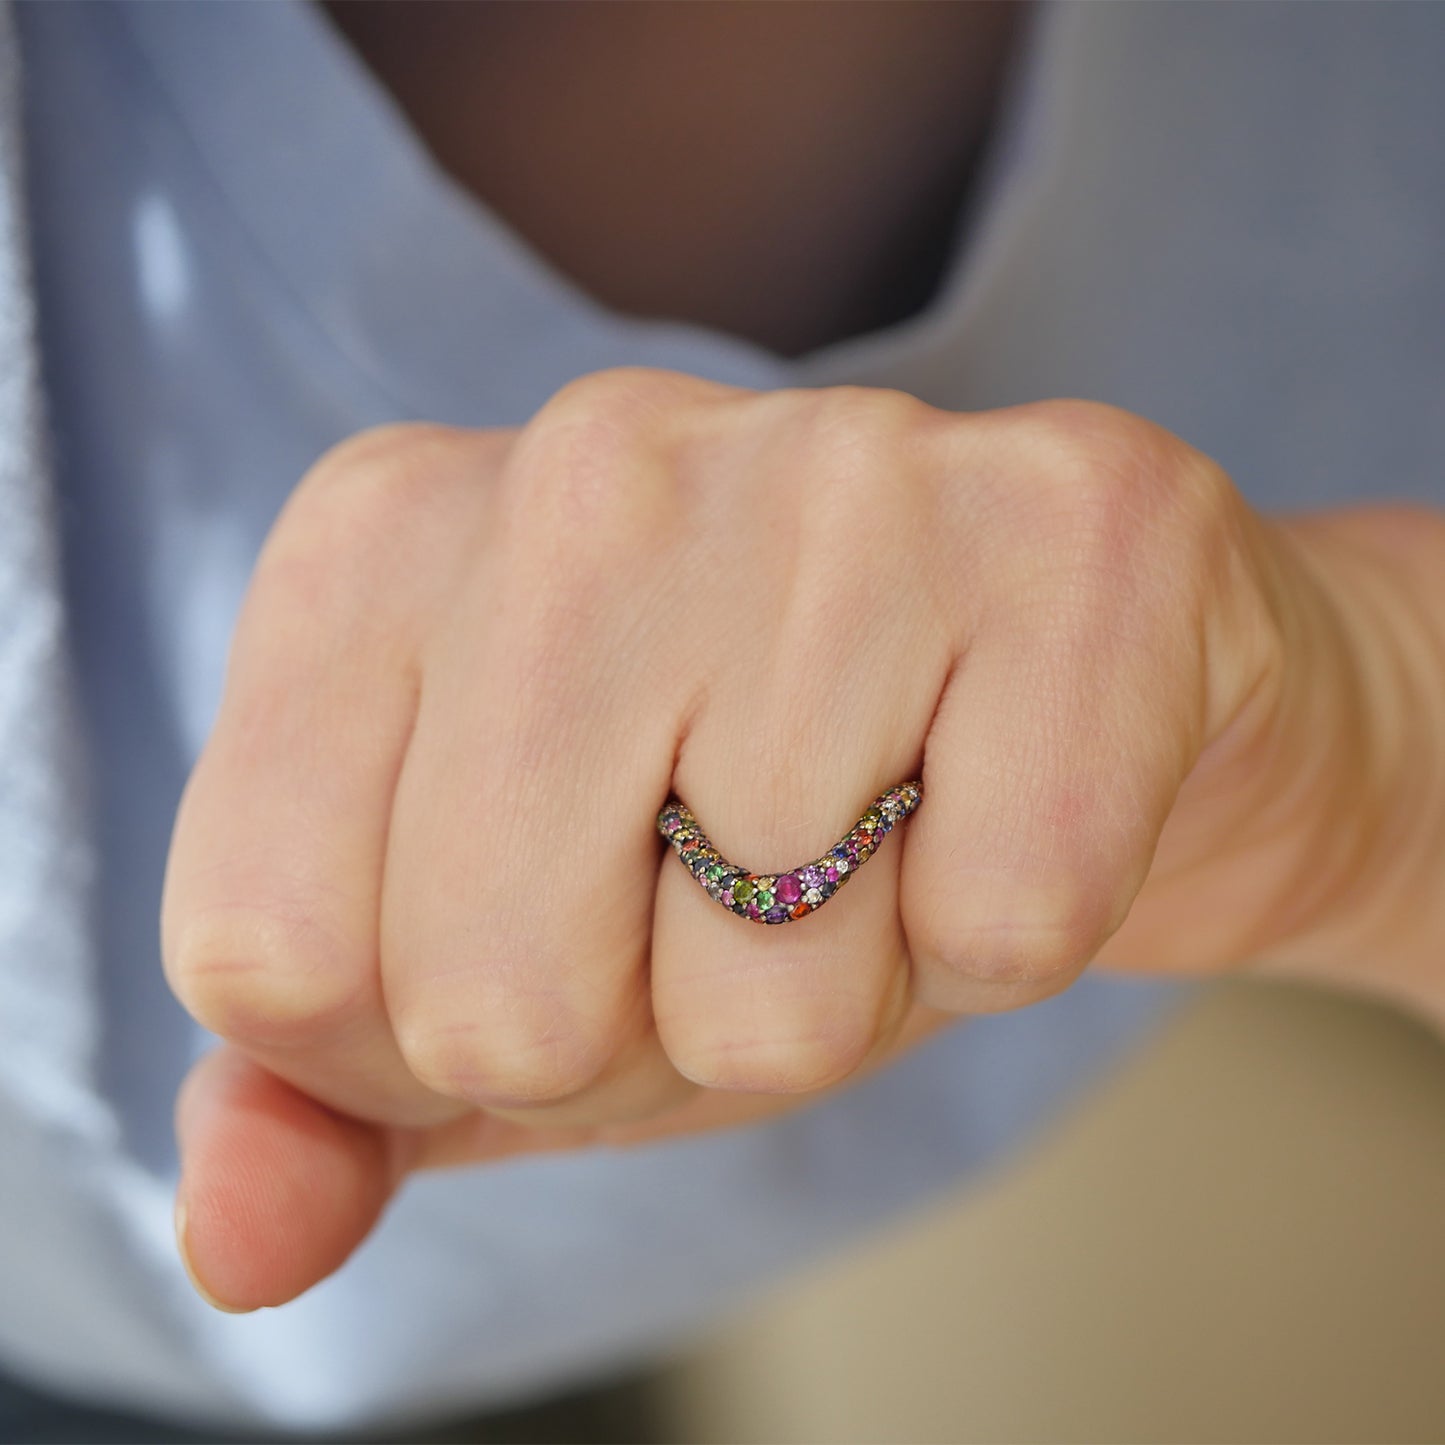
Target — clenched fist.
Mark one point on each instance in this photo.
(416, 881)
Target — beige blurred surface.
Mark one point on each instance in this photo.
(1239, 1237)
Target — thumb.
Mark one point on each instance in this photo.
(276, 1189)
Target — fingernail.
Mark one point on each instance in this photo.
(200, 1289)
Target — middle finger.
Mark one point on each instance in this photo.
(825, 707)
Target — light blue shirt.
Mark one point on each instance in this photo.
(1228, 219)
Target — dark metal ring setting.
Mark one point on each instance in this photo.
(782, 897)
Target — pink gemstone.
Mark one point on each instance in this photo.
(832, 875)
(754, 911)
(788, 890)
(727, 897)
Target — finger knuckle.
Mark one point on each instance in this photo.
(854, 439)
(1031, 943)
(803, 1060)
(852, 415)
(542, 1062)
(590, 481)
(1099, 468)
(268, 978)
(1105, 510)
(625, 395)
(605, 418)
(1114, 474)
(1088, 440)
(373, 483)
(366, 509)
(853, 467)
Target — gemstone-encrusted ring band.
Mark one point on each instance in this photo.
(782, 897)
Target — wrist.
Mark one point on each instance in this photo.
(1365, 722)
(1309, 836)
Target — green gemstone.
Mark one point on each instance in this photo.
(764, 901)
(715, 872)
(743, 891)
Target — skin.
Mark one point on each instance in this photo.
(415, 884)
(411, 872)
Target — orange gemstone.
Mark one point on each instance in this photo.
(801, 909)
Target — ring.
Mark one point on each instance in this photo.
(782, 897)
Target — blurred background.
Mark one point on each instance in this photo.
(1239, 1237)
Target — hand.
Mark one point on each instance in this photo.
(415, 880)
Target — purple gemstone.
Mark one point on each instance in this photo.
(776, 915)
(812, 876)
(788, 889)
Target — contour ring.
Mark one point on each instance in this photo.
(782, 897)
